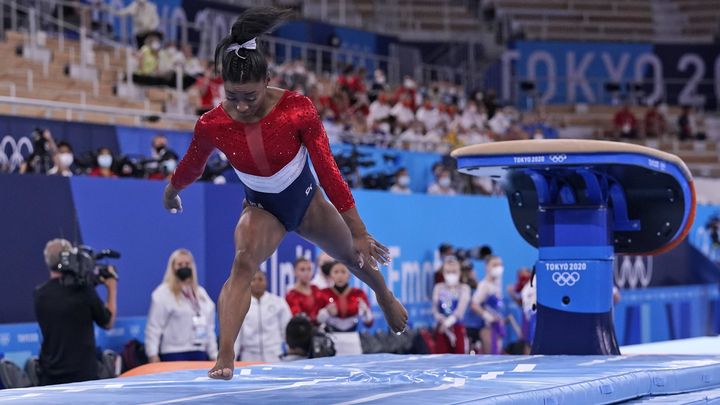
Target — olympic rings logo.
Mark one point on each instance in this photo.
(12, 160)
(558, 158)
(565, 278)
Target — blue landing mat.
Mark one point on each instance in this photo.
(434, 379)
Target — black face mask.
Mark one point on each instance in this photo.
(341, 289)
(183, 273)
(159, 148)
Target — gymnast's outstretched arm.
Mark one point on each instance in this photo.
(189, 169)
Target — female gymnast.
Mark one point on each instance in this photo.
(267, 134)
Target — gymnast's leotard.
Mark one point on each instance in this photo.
(271, 158)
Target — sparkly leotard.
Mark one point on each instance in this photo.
(270, 157)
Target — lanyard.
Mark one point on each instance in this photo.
(194, 302)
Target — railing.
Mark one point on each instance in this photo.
(71, 108)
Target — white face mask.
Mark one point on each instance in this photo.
(444, 182)
(104, 161)
(66, 159)
(404, 180)
(497, 272)
(451, 279)
(155, 45)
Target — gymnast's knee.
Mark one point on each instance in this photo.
(244, 265)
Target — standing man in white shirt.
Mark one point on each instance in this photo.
(263, 332)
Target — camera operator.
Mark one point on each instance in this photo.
(42, 158)
(66, 314)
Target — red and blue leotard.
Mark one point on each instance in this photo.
(270, 157)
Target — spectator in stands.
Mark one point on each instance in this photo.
(181, 321)
(210, 89)
(402, 182)
(625, 123)
(191, 64)
(322, 278)
(147, 72)
(407, 91)
(413, 137)
(303, 297)
(145, 19)
(443, 185)
(64, 161)
(489, 99)
(103, 164)
(487, 303)
(298, 338)
(500, 123)
(654, 122)
(403, 113)
(343, 308)
(688, 125)
(263, 332)
(66, 311)
(168, 58)
(379, 113)
(42, 159)
(163, 159)
(473, 116)
(378, 85)
(449, 302)
(428, 114)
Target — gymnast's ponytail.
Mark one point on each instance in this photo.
(239, 53)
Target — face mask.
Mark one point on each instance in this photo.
(497, 271)
(104, 161)
(452, 279)
(341, 289)
(159, 148)
(183, 273)
(404, 180)
(444, 182)
(170, 165)
(66, 159)
(409, 83)
(155, 46)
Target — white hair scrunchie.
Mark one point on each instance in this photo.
(250, 44)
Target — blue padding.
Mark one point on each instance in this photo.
(407, 379)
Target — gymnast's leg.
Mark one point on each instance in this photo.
(257, 235)
(325, 227)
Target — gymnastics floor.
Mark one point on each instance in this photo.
(408, 379)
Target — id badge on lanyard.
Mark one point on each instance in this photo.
(199, 321)
(199, 330)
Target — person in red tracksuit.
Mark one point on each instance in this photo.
(304, 297)
(343, 309)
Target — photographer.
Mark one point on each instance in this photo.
(66, 314)
(42, 159)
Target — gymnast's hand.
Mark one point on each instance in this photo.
(171, 199)
(370, 251)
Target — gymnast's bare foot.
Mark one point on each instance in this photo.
(224, 366)
(395, 313)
